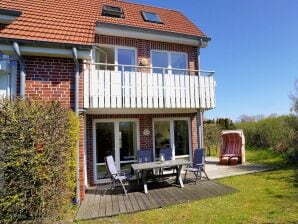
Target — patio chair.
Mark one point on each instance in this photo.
(115, 175)
(198, 165)
(144, 156)
(168, 155)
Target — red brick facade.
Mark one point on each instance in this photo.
(144, 47)
(145, 122)
(53, 79)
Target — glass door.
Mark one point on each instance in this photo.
(116, 138)
(127, 144)
(162, 133)
(105, 146)
(172, 133)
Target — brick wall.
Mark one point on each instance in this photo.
(52, 79)
(145, 122)
(144, 47)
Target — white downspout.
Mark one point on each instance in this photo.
(76, 109)
(16, 49)
(200, 114)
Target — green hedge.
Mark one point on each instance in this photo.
(278, 133)
(37, 160)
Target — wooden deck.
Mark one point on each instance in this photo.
(160, 195)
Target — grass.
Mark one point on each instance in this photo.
(268, 197)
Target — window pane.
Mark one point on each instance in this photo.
(181, 138)
(178, 61)
(162, 136)
(127, 141)
(126, 57)
(151, 17)
(105, 145)
(159, 59)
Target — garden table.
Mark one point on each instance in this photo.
(176, 164)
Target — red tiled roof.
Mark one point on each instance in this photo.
(74, 21)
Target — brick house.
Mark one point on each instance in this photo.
(130, 71)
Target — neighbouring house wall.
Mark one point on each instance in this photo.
(144, 47)
(145, 122)
(50, 78)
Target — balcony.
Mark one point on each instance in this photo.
(126, 86)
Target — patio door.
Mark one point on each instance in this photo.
(116, 138)
(174, 134)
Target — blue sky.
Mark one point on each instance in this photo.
(254, 51)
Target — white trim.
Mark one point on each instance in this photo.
(170, 38)
(116, 136)
(46, 51)
(139, 111)
(171, 120)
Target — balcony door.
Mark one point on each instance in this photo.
(119, 58)
(172, 133)
(117, 138)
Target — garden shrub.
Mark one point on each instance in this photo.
(37, 160)
(278, 133)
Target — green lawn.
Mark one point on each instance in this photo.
(268, 197)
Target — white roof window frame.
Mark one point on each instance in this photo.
(147, 19)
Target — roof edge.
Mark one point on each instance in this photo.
(138, 29)
(41, 43)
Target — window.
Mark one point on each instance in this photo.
(126, 57)
(171, 60)
(172, 133)
(8, 70)
(116, 138)
(151, 17)
(159, 59)
(112, 11)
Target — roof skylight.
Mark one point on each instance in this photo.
(112, 11)
(151, 17)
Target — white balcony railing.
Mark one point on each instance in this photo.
(139, 88)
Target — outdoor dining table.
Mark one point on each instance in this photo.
(144, 167)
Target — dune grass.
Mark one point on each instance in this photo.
(267, 197)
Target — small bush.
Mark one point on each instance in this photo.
(37, 158)
(278, 133)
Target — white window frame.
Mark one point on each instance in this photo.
(116, 139)
(11, 87)
(116, 48)
(171, 120)
(169, 58)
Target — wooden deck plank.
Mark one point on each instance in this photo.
(122, 207)
(115, 205)
(128, 204)
(152, 200)
(95, 205)
(162, 196)
(140, 201)
(134, 203)
(109, 205)
(102, 206)
(157, 198)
